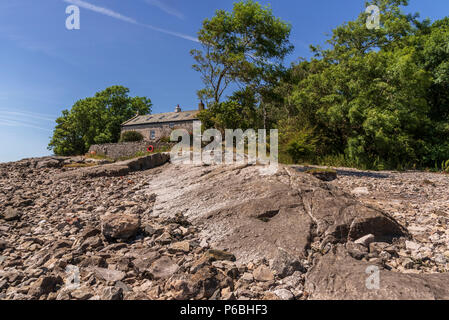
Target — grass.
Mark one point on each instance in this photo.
(97, 157)
(321, 170)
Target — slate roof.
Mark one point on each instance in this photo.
(162, 118)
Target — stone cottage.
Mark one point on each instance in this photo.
(156, 126)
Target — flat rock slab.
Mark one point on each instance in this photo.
(253, 215)
(109, 275)
(337, 276)
(121, 168)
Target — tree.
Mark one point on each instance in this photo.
(96, 120)
(367, 95)
(245, 46)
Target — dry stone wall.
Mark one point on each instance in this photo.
(124, 149)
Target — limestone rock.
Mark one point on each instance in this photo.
(182, 246)
(163, 268)
(285, 264)
(112, 293)
(120, 226)
(366, 240)
(11, 214)
(263, 273)
(361, 191)
(284, 294)
(45, 285)
(109, 275)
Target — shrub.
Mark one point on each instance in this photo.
(131, 136)
(296, 142)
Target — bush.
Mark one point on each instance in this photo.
(297, 143)
(131, 136)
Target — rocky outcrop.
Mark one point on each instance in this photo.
(254, 215)
(197, 232)
(119, 169)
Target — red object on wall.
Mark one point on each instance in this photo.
(150, 148)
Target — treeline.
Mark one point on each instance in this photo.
(375, 99)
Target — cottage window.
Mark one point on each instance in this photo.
(172, 125)
(152, 135)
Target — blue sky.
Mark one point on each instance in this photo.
(141, 44)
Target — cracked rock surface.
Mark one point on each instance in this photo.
(203, 232)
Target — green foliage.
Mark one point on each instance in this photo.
(376, 99)
(297, 143)
(228, 115)
(95, 120)
(245, 46)
(445, 166)
(131, 136)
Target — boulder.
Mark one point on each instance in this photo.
(204, 283)
(11, 214)
(286, 210)
(182, 246)
(120, 226)
(50, 163)
(284, 294)
(112, 293)
(45, 285)
(263, 273)
(366, 240)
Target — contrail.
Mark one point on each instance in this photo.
(28, 114)
(116, 15)
(166, 8)
(11, 123)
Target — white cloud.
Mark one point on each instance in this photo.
(166, 8)
(115, 15)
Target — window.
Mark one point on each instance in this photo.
(152, 135)
(171, 125)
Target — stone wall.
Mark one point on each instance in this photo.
(124, 149)
(159, 130)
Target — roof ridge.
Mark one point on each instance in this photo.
(188, 115)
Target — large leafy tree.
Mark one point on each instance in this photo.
(245, 46)
(369, 94)
(95, 120)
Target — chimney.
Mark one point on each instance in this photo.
(201, 106)
(178, 109)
